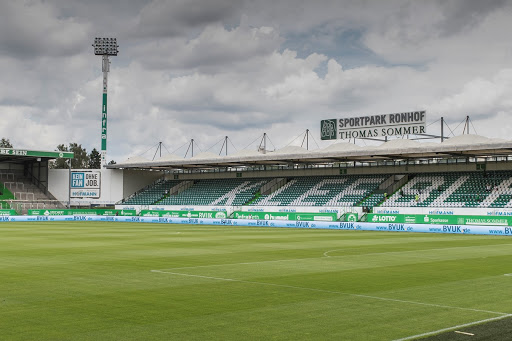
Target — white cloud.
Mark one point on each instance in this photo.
(34, 28)
(480, 98)
(226, 68)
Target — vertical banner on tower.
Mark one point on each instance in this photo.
(104, 129)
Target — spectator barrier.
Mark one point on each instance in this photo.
(393, 227)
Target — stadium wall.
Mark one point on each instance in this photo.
(134, 180)
(7, 167)
(391, 227)
(486, 211)
(115, 185)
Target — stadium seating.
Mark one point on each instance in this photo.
(152, 194)
(372, 200)
(458, 189)
(447, 189)
(226, 192)
(322, 191)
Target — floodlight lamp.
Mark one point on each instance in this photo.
(105, 46)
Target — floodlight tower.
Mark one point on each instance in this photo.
(105, 47)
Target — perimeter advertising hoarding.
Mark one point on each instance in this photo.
(85, 184)
(397, 124)
(84, 212)
(393, 227)
(286, 216)
(439, 219)
(184, 214)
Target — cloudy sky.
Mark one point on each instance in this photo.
(205, 69)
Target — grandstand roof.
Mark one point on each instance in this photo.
(399, 149)
(22, 155)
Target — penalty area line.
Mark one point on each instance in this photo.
(329, 291)
(453, 328)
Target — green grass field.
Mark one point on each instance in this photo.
(130, 281)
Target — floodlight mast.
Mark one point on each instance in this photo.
(105, 47)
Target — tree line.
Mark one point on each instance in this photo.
(81, 160)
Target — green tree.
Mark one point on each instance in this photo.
(60, 163)
(5, 143)
(94, 159)
(80, 159)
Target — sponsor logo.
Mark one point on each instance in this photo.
(302, 224)
(347, 226)
(452, 229)
(352, 217)
(384, 218)
(220, 215)
(440, 212)
(396, 227)
(328, 129)
(206, 215)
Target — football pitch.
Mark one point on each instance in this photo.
(135, 281)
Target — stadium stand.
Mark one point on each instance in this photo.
(322, 191)
(372, 200)
(458, 189)
(300, 191)
(228, 192)
(444, 189)
(19, 193)
(152, 193)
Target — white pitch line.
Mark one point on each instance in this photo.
(510, 275)
(326, 253)
(243, 263)
(464, 333)
(329, 291)
(452, 328)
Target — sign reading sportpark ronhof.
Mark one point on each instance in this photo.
(360, 127)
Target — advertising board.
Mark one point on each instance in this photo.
(371, 126)
(380, 227)
(440, 219)
(85, 184)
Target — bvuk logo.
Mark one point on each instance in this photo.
(328, 129)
